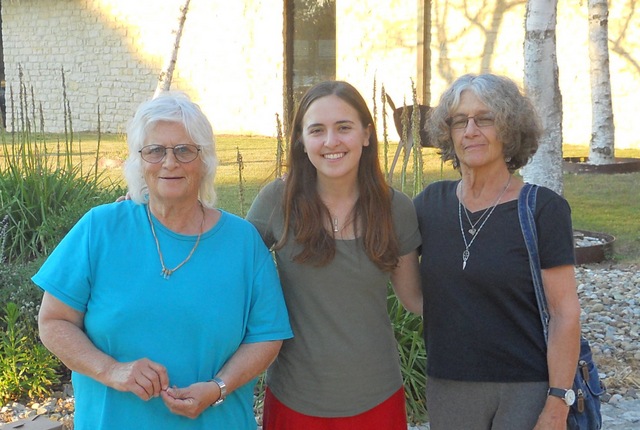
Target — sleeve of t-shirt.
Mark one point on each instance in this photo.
(405, 222)
(261, 210)
(423, 203)
(268, 316)
(66, 273)
(555, 231)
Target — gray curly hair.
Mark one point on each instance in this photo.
(516, 120)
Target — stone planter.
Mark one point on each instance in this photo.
(593, 247)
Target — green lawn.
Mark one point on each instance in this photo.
(608, 203)
(600, 202)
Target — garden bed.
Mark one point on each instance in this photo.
(582, 165)
(592, 247)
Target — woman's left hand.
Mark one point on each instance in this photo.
(245, 364)
(189, 401)
(553, 416)
(564, 341)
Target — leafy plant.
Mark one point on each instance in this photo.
(41, 203)
(413, 358)
(241, 181)
(385, 133)
(418, 185)
(16, 287)
(42, 191)
(259, 392)
(4, 225)
(27, 368)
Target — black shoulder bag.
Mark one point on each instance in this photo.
(584, 414)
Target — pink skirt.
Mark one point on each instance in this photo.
(388, 415)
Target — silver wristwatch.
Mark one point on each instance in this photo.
(569, 396)
(223, 391)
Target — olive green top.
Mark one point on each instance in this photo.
(343, 359)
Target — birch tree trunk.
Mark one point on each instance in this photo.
(542, 86)
(166, 75)
(602, 145)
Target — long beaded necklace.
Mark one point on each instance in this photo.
(466, 253)
(166, 273)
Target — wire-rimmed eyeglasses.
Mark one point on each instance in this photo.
(481, 120)
(156, 153)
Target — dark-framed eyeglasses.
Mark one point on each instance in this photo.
(481, 120)
(156, 153)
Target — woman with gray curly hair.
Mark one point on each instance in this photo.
(487, 363)
(163, 305)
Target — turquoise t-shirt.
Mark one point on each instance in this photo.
(227, 294)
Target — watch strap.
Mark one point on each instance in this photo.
(223, 391)
(565, 395)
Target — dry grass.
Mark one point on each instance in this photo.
(622, 374)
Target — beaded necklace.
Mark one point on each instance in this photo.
(165, 272)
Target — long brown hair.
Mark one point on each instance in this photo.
(305, 214)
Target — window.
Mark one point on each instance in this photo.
(310, 46)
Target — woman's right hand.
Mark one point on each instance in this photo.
(62, 332)
(143, 377)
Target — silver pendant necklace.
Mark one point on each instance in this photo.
(473, 231)
(335, 223)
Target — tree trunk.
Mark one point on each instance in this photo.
(542, 86)
(166, 75)
(601, 147)
(424, 52)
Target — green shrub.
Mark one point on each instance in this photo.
(42, 200)
(413, 358)
(27, 368)
(43, 188)
(16, 286)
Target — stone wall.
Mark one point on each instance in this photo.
(112, 51)
(230, 60)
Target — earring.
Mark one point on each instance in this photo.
(455, 162)
(507, 159)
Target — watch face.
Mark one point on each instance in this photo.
(570, 397)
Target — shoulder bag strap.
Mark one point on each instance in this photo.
(526, 211)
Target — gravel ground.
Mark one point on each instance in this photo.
(610, 299)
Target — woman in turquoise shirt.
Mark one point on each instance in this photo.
(163, 306)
